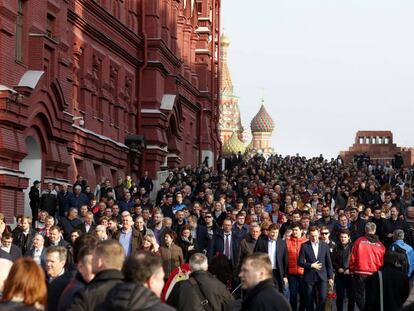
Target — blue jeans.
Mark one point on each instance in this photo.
(295, 289)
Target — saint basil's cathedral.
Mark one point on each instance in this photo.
(233, 136)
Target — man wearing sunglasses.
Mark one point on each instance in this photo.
(325, 237)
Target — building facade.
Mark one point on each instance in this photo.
(379, 145)
(104, 88)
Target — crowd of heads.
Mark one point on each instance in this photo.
(257, 197)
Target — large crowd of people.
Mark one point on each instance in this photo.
(276, 233)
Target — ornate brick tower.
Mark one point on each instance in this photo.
(229, 120)
(262, 127)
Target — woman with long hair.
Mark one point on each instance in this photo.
(25, 287)
(149, 244)
(187, 242)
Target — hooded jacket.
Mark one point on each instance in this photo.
(367, 255)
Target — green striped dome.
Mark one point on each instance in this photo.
(233, 145)
(262, 122)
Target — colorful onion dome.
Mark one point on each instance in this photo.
(233, 145)
(262, 122)
(224, 40)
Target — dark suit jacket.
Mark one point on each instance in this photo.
(15, 252)
(82, 227)
(30, 253)
(217, 246)
(5, 255)
(147, 184)
(202, 238)
(307, 258)
(262, 246)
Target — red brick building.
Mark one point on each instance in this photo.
(104, 88)
(379, 145)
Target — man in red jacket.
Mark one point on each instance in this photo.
(366, 258)
(295, 272)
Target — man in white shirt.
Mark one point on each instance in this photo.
(277, 252)
(314, 257)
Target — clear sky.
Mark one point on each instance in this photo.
(329, 68)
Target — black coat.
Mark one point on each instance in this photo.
(55, 289)
(75, 284)
(15, 306)
(22, 241)
(395, 285)
(340, 257)
(34, 196)
(63, 201)
(390, 225)
(357, 229)
(265, 297)
(146, 183)
(48, 202)
(68, 225)
(281, 254)
(188, 246)
(202, 238)
(185, 296)
(133, 297)
(94, 295)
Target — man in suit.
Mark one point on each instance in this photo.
(275, 247)
(38, 250)
(225, 243)
(7, 245)
(315, 258)
(87, 226)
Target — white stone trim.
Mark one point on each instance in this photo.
(30, 78)
(202, 50)
(56, 181)
(67, 113)
(11, 172)
(204, 19)
(167, 102)
(152, 111)
(100, 136)
(203, 29)
(6, 88)
(156, 147)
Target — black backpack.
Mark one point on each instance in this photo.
(402, 258)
